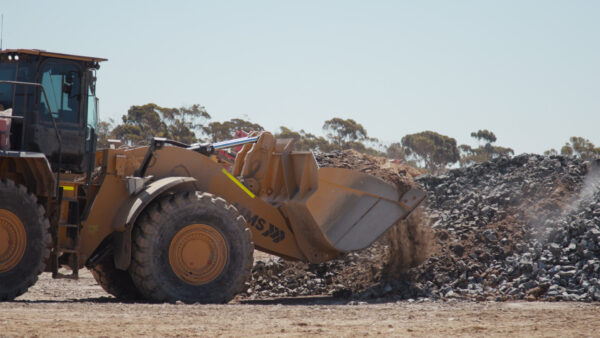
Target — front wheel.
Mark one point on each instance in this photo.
(191, 247)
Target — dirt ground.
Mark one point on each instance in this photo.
(76, 308)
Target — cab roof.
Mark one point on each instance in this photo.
(54, 55)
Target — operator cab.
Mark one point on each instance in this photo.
(42, 92)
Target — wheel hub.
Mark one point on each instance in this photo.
(198, 254)
(13, 240)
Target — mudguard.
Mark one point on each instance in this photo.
(133, 207)
(33, 170)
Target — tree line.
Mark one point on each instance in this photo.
(427, 149)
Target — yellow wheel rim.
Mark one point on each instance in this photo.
(13, 240)
(198, 254)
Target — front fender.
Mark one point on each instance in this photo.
(131, 210)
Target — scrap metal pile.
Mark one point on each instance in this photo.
(526, 227)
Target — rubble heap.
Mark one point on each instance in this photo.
(526, 227)
(516, 228)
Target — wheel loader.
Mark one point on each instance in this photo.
(161, 222)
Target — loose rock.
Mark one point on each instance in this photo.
(526, 227)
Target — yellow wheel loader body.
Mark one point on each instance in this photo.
(294, 209)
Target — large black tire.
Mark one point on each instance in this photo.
(24, 240)
(161, 267)
(114, 281)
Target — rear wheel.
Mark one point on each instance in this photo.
(192, 247)
(24, 240)
(114, 281)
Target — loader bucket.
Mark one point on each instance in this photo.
(354, 209)
(329, 210)
(349, 211)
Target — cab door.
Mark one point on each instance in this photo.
(63, 84)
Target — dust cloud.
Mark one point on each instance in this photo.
(410, 243)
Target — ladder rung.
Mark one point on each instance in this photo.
(67, 250)
(68, 225)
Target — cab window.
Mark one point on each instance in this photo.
(92, 111)
(62, 83)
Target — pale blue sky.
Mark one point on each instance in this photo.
(527, 70)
